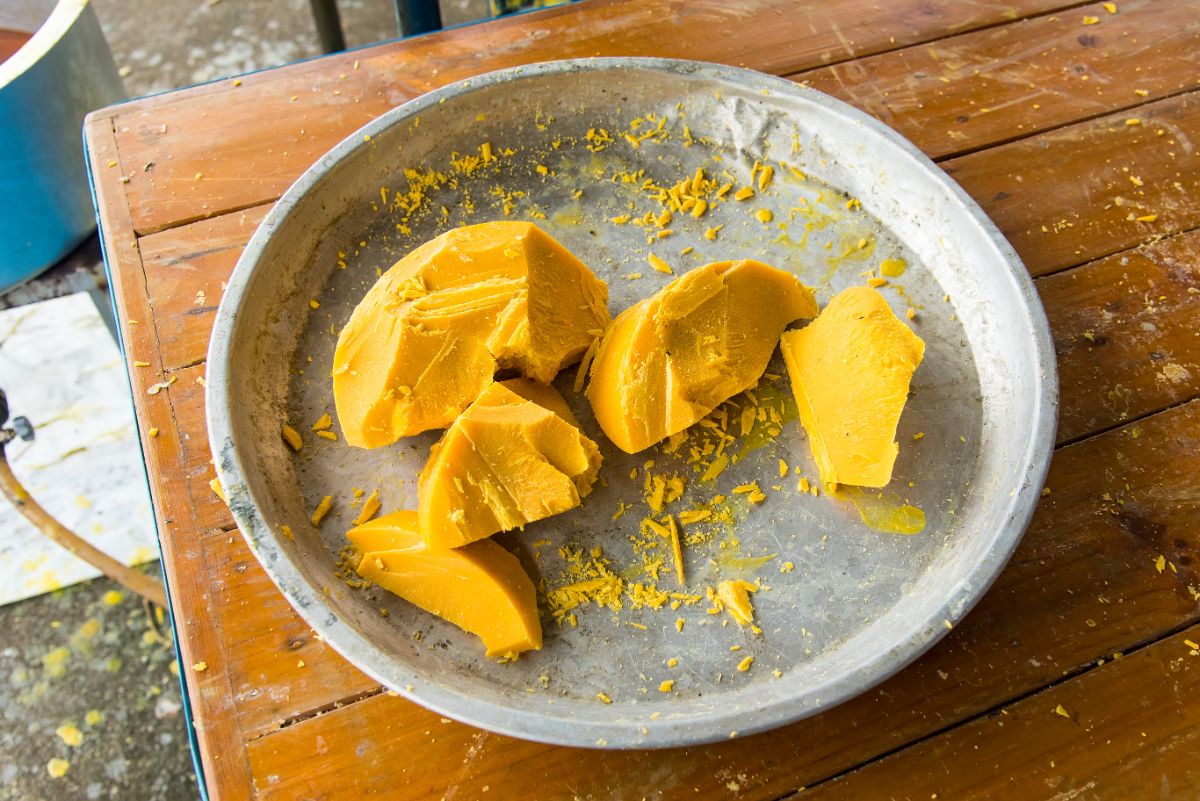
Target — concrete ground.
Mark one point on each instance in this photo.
(166, 44)
(90, 706)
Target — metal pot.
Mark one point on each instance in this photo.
(46, 88)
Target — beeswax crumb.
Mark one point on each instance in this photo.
(764, 177)
(369, 508)
(292, 437)
(659, 265)
(322, 509)
(70, 734)
(734, 598)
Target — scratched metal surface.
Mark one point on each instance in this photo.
(859, 604)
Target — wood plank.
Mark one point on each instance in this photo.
(1077, 193)
(1118, 739)
(279, 669)
(270, 127)
(225, 763)
(1124, 331)
(1082, 584)
(185, 277)
(971, 91)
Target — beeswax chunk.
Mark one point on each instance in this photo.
(514, 456)
(480, 588)
(850, 371)
(672, 358)
(432, 332)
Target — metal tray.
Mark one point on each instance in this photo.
(858, 605)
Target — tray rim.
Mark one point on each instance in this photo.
(308, 600)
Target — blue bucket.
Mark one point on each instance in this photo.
(64, 71)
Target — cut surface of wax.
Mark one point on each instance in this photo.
(850, 370)
(513, 457)
(670, 359)
(480, 588)
(432, 332)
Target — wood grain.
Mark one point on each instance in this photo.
(271, 126)
(185, 277)
(1124, 331)
(1109, 735)
(1082, 585)
(970, 91)
(1078, 192)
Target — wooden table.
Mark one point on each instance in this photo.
(1077, 127)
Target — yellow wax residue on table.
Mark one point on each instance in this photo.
(850, 371)
(480, 588)
(884, 512)
(670, 359)
(432, 332)
(514, 456)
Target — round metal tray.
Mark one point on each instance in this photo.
(858, 605)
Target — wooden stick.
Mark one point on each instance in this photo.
(127, 577)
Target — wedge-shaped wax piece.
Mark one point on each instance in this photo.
(481, 588)
(514, 456)
(850, 371)
(672, 358)
(432, 332)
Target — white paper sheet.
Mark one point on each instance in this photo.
(62, 370)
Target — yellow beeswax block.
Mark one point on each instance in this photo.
(672, 358)
(850, 370)
(431, 333)
(514, 456)
(481, 588)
